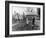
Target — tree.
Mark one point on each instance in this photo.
(24, 17)
(18, 16)
(38, 12)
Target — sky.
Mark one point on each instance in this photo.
(20, 10)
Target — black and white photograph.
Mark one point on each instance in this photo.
(25, 18)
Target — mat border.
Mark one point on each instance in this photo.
(7, 18)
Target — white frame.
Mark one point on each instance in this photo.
(25, 32)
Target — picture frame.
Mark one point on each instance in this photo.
(22, 6)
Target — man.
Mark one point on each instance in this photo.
(33, 21)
